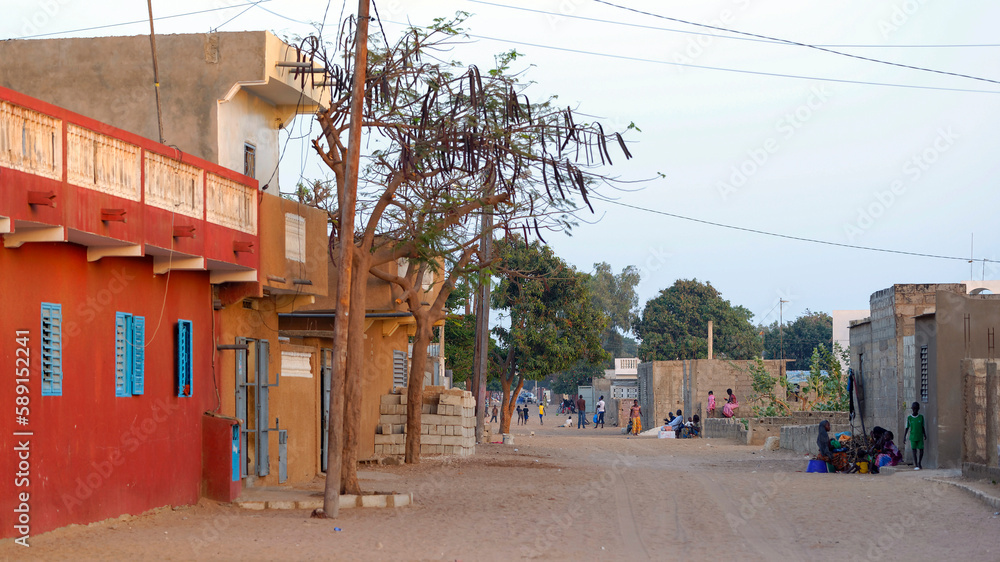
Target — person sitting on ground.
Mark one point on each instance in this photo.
(826, 453)
(691, 428)
(890, 455)
(568, 422)
(677, 422)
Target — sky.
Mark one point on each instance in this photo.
(736, 130)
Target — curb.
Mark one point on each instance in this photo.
(346, 501)
(989, 500)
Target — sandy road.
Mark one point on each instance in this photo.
(568, 494)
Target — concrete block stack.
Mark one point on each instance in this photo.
(447, 423)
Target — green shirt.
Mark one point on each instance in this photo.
(916, 426)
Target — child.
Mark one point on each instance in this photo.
(731, 404)
(541, 413)
(915, 425)
(520, 416)
(711, 404)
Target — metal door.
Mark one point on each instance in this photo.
(326, 376)
(241, 400)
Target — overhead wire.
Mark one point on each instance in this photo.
(701, 33)
(721, 69)
(142, 21)
(796, 43)
(787, 236)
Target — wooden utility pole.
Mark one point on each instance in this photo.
(480, 360)
(345, 257)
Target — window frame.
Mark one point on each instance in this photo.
(52, 349)
(130, 354)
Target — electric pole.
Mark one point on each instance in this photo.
(345, 257)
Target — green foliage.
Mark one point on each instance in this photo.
(580, 374)
(674, 325)
(616, 296)
(460, 340)
(553, 322)
(764, 402)
(798, 338)
(831, 388)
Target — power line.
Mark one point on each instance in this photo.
(722, 69)
(817, 47)
(789, 236)
(754, 39)
(110, 25)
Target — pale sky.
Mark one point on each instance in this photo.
(901, 168)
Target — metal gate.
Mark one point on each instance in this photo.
(326, 377)
(259, 387)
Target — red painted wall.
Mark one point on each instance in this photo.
(94, 455)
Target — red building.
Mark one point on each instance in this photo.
(111, 246)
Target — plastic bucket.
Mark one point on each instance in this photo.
(817, 466)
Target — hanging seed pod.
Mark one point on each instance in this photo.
(538, 231)
(621, 142)
(604, 145)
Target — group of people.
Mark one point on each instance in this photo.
(883, 450)
(522, 414)
(728, 409)
(683, 429)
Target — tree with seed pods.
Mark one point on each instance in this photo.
(445, 144)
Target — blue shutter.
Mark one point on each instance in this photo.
(185, 360)
(122, 354)
(138, 354)
(51, 349)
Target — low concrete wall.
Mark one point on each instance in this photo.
(980, 471)
(802, 438)
(725, 428)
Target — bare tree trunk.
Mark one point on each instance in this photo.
(415, 387)
(348, 201)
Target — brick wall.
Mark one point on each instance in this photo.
(448, 423)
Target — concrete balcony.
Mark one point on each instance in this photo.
(68, 178)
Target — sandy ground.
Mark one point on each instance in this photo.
(568, 494)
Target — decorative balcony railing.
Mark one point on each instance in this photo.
(30, 141)
(174, 186)
(230, 204)
(103, 163)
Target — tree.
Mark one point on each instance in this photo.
(459, 337)
(674, 325)
(827, 381)
(580, 374)
(553, 322)
(616, 296)
(798, 339)
(449, 143)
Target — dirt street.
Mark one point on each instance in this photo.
(568, 494)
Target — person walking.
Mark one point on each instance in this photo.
(581, 411)
(918, 433)
(494, 418)
(541, 413)
(600, 413)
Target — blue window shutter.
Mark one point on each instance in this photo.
(122, 346)
(185, 364)
(51, 349)
(138, 354)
